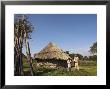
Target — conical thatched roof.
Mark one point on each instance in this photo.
(52, 51)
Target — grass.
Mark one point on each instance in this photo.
(87, 68)
(84, 71)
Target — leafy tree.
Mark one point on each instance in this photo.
(79, 55)
(93, 48)
(72, 55)
(93, 58)
(67, 52)
(85, 58)
(22, 31)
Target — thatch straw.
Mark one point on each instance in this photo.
(52, 51)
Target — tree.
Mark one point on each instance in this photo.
(22, 30)
(67, 52)
(79, 55)
(93, 48)
(72, 55)
(85, 58)
(93, 58)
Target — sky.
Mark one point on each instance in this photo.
(71, 32)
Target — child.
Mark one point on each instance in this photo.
(69, 64)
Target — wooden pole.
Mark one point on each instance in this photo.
(29, 59)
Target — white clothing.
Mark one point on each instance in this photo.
(69, 63)
(76, 59)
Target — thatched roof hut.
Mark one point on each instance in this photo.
(52, 51)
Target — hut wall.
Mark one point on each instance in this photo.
(52, 63)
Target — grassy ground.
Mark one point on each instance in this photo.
(87, 68)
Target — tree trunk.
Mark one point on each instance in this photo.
(29, 56)
(20, 57)
(16, 65)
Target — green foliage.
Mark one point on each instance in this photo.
(85, 58)
(72, 55)
(88, 58)
(67, 52)
(79, 55)
(94, 57)
(93, 48)
(21, 24)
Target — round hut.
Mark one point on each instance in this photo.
(53, 55)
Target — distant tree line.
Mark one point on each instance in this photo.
(93, 52)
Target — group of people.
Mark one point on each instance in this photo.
(75, 62)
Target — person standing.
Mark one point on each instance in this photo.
(76, 62)
(69, 64)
